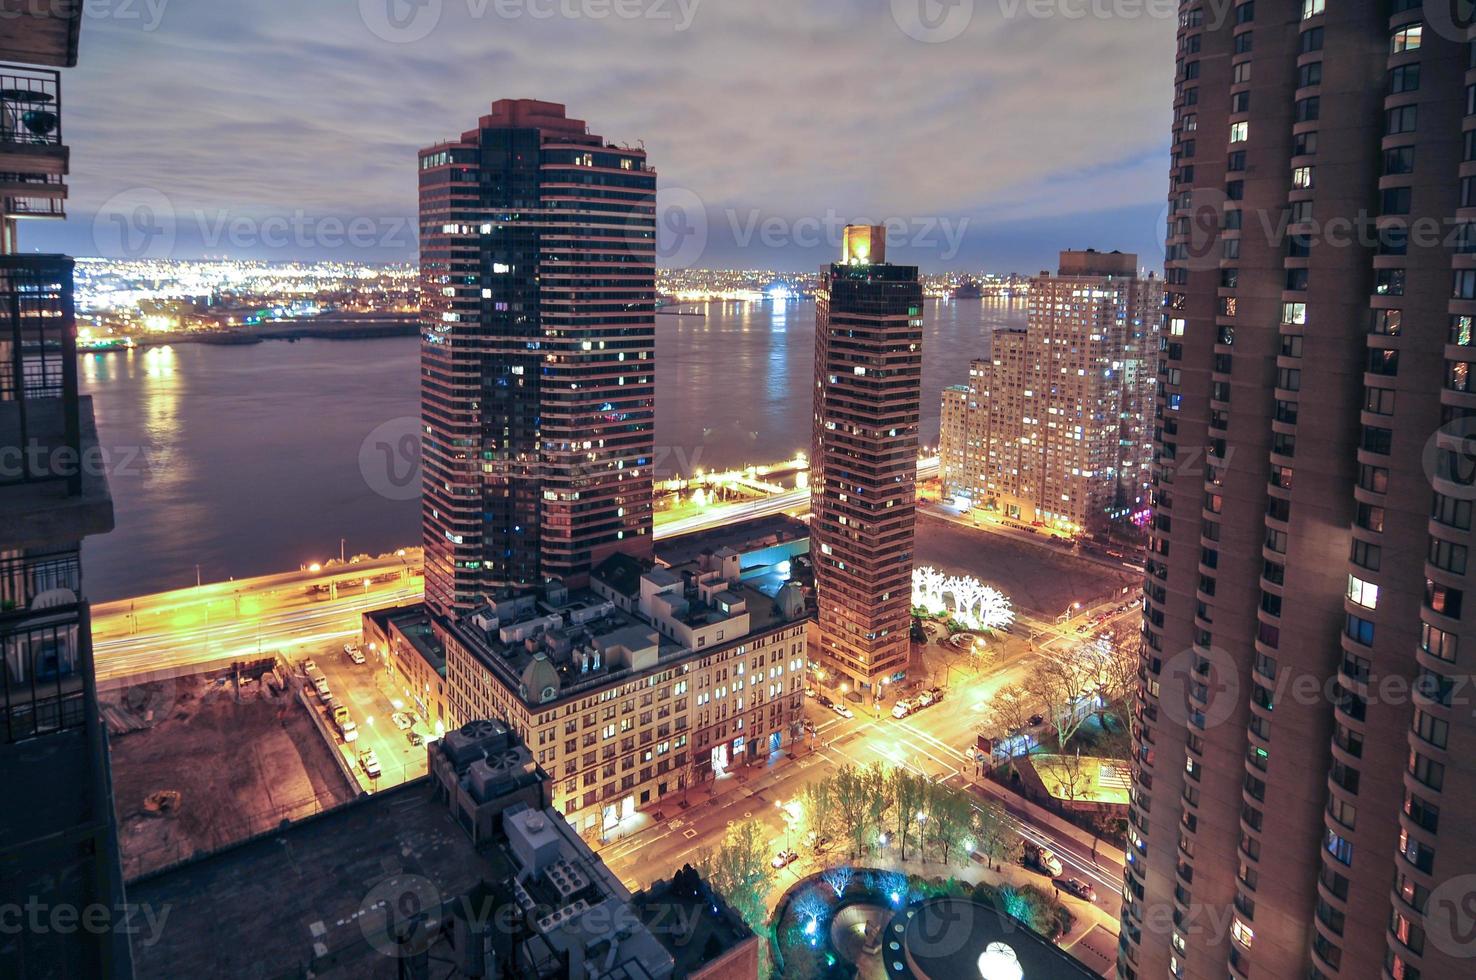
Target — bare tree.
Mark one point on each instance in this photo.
(1073, 776)
(838, 878)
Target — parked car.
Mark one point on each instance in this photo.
(809, 692)
(843, 711)
(402, 722)
(1042, 859)
(1075, 886)
(356, 655)
(369, 762)
(309, 664)
(350, 648)
(784, 859)
(415, 738)
(1037, 720)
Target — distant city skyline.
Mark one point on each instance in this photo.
(1016, 169)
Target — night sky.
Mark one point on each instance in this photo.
(989, 135)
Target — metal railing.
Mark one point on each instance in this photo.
(30, 106)
(39, 412)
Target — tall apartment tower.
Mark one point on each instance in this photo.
(1303, 755)
(1056, 422)
(868, 389)
(538, 387)
(58, 833)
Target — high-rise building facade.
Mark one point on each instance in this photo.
(60, 877)
(1055, 429)
(1302, 754)
(538, 298)
(863, 480)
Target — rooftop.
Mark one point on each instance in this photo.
(555, 643)
(308, 894)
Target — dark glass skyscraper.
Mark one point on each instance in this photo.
(863, 479)
(538, 373)
(1303, 755)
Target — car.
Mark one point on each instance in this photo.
(1037, 720)
(402, 721)
(356, 655)
(1043, 859)
(817, 844)
(784, 859)
(823, 701)
(349, 648)
(309, 664)
(843, 711)
(809, 692)
(369, 762)
(1075, 886)
(415, 738)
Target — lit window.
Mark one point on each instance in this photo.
(1366, 594)
(1239, 132)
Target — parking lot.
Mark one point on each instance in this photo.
(382, 722)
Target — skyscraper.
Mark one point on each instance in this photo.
(868, 389)
(538, 303)
(1055, 422)
(1302, 751)
(60, 878)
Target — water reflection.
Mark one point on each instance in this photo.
(245, 459)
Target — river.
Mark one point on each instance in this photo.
(246, 460)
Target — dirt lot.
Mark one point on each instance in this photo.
(238, 767)
(1038, 579)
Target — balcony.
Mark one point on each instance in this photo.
(40, 33)
(33, 159)
(45, 670)
(53, 490)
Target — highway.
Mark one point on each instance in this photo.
(251, 617)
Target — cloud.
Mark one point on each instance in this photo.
(790, 107)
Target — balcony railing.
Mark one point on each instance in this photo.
(30, 106)
(40, 581)
(40, 426)
(42, 682)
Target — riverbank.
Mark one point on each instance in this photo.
(346, 326)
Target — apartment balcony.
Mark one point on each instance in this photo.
(40, 33)
(53, 488)
(33, 159)
(43, 629)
